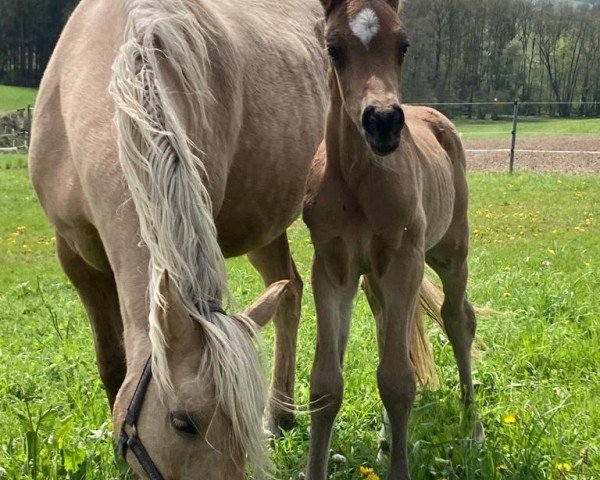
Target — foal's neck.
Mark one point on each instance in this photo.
(347, 149)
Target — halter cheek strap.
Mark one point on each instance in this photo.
(130, 440)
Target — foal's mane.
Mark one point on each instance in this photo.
(165, 172)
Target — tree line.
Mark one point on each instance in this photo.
(29, 30)
(462, 50)
(501, 50)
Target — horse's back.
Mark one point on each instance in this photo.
(74, 160)
(73, 135)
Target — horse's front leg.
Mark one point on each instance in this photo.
(398, 282)
(335, 283)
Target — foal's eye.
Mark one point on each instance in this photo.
(336, 54)
(403, 48)
(182, 422)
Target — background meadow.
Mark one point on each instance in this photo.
(535, 258)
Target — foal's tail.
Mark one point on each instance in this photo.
(430, 304)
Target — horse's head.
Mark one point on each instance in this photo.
(366, 43)
(203, 398)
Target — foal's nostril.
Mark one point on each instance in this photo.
(369, 119)
(391, 120)
(383, 121)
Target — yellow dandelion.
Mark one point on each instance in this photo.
(20, 230)
(506, 294)
(368, 473)
(563, 468)
(510, 419)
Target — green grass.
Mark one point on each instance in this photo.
(535, 255)
(14, 98)
(528, 126)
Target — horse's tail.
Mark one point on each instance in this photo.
(166, 49)
(430, 304)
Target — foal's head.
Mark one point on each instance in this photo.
(366, 43)
(202, 411)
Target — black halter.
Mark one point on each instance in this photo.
(130, 440)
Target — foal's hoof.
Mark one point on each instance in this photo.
(478, 433)
(383, 449)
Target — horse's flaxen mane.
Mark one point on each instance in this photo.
(164, 173)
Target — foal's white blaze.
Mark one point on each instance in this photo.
(365, 25)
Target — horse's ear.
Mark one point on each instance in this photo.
(263, 309)
(175, 322)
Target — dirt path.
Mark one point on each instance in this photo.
(559, 162)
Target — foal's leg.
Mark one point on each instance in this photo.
(374, 297)
(274, 262)
(334, 286)
(399, 285)
(98, 293)
(449, 260)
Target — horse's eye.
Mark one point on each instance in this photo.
(182, 422)
(336, 54)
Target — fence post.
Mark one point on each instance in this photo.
(514, 136)
(28, 127)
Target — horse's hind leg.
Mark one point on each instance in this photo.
(98, 293)
(274, 262)
(449, 260)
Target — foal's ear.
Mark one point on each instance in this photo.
(396, 4)
(263, 309)
(175, 322)
(329, 4)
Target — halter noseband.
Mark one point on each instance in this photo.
(131, 441)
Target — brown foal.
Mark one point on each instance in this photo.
(387, 193)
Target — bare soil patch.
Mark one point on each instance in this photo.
(548, 162)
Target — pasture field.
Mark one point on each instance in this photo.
(14, 98)
(528, 126)
(535, 257)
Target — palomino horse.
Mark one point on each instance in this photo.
(220, 106)
(387, 193)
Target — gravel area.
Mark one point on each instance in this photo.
(559, 162)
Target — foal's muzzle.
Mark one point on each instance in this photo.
(382, 128)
